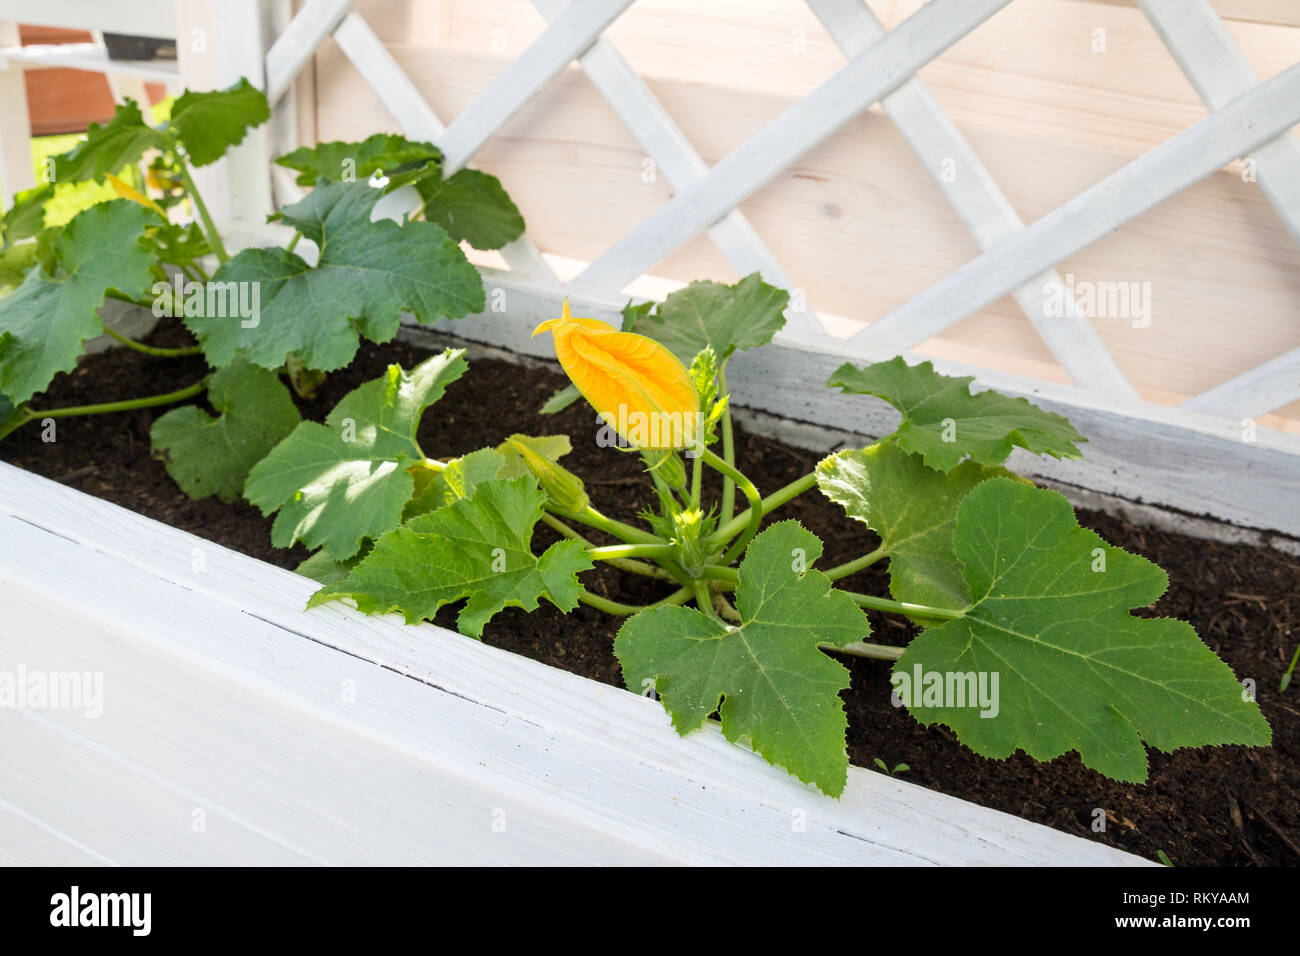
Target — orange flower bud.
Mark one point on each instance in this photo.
(125, 191)
(639, 387)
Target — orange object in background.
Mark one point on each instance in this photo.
(67, 101)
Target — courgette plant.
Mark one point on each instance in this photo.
(996, 572)
(1027, 640)
(265, 320)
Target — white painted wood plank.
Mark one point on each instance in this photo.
(673, 154)
(1257, 392)
(30, 841)
(986, 211)
(567, 36)
(298, 42)
(1220, 72)
(601, 768)
(154, 18)
(418, 120)
(208, 708)
(1238, 129)
(85, 56)
(881, 69)
(398, 94)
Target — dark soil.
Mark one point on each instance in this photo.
(1229, 806)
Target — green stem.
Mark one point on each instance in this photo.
(123, 297)
(210, 227)
(297, 234)
(106, 408)
(697, 479)
(725, 610)
(635, 567)
(704, 600)
(755, 504)
(614, 607)
(850, 567)
(618, 529)
(615, 552)
(882, 652)
(151, 349)
(728, 453)
(717, 572)
(728, 529)
(903, 607)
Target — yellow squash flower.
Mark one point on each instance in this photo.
(639, 387)
(127, 192)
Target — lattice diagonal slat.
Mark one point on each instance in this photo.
(1247, 117)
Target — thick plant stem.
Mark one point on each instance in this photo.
(106, 408)
(697, 479)
(614, 552)
(150, 349)
(857, 564)
(210, 227)
(630, 535)
(773, 501)
(728, 453)
(623, 564)
(704, 600)
(755, 504)
(618, 529)
(614, 607)
(902, 607)
(881, 652)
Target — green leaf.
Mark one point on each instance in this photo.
(477, 548)
(323, 569)
(337, 483)
(26, 217)
(562, 399)
(45, 320)
(727, 317)
(212, 456)
(14, 263)
(914, 510)
(472, 206)
(106, 149)
(944, 423)
(369, 272)
(437, 489)
(176, 244)
(1076, 671)
(210, 123)
(550, 447)
(777, 690)
(348, 162)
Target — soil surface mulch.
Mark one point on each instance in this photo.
(1229, 806)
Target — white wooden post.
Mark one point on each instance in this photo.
(15, 125)
(216, 45)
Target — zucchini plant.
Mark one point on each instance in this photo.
(1027, 640)
(267, 321)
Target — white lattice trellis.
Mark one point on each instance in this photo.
(1247, 118)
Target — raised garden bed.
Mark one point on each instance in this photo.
(1225, 806)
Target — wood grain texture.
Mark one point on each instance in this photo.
(331, 737)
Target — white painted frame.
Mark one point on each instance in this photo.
(330, 737)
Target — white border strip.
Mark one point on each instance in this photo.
(591, 772)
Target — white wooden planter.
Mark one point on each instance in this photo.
(235, 728)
